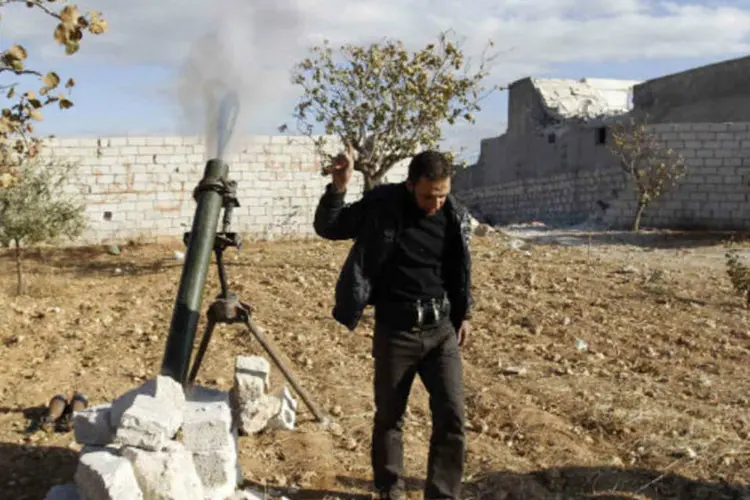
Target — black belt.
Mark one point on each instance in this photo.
(413, 316)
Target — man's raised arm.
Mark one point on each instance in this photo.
(334, 219)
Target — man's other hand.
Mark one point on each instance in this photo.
(463, 332)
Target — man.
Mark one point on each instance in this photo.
(411, 260)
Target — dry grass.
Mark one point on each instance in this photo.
(655, 407)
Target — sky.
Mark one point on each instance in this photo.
(148, 74)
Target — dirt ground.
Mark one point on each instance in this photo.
(605, 370)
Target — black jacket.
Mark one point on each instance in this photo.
(374, 222)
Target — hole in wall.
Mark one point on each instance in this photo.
(601, 135)
(107, 215)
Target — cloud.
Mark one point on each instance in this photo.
(540, 32)
(531, 35)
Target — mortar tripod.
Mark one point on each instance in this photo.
(227, 308)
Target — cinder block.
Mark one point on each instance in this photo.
(208, 422)
(92, 426)
(163, 388)
(218, 472)
(248, 494)
(105, 476)
(149, 423)
(253, 416)
(286, 416)
(136, 141)
(91, 448)
(169, 474)
(251, 373)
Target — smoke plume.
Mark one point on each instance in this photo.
(246, 54)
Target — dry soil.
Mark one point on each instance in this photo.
(610, 370)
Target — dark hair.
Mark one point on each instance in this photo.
(432, 165)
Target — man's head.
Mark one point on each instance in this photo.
(429, 179)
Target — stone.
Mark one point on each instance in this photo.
(208, 423)
(149, 423)
(168, 474)
(251, 378)
(63, 492)
(110, 448)
(482, 230)
(163, 388)
(218, 472)
(248, 494)
(287, 415)
(253, 417)
(103, 475)
(92, 425)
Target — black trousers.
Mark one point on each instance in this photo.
(435, 356)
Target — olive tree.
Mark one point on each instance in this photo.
(25, 102)
(39, 208)
(385, 101)
(652, 167)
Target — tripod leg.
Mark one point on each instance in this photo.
(288, 375)
(202, 349)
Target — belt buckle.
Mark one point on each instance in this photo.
(420, 317)
(435, 310)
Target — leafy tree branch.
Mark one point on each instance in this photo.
(24, 107)
(386, 101)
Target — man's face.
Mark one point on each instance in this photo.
(430, 195)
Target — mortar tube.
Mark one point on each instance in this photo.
(186, 313)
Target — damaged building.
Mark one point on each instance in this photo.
(554, 164)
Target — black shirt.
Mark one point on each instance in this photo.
(415, 269)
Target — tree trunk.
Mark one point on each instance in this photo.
(638, 215)
(20, 285)
(370, 182)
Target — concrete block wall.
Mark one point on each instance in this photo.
(140, 188)
(714, 194)
(564, 199)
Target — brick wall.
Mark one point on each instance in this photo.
(141, 187)
(715, 193)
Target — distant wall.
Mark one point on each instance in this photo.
(141, 187)
(714, 194)
(714, 93)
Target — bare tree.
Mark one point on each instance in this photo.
(653, 167)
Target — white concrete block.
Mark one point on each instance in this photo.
(218, 472)
(63, 492)
(207, 421)
(286, 417)
(254, 416)
(248, 494)
(169, 474)
(163, 388)
(149, 423)
(251, 378)
(110, 448)
(92, 425)
(105, 476)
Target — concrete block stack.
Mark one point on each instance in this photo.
(158, 441)
(255, 409)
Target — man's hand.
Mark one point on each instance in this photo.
(342, 169)
(463, 332)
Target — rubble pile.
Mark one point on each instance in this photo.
(160, 441)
